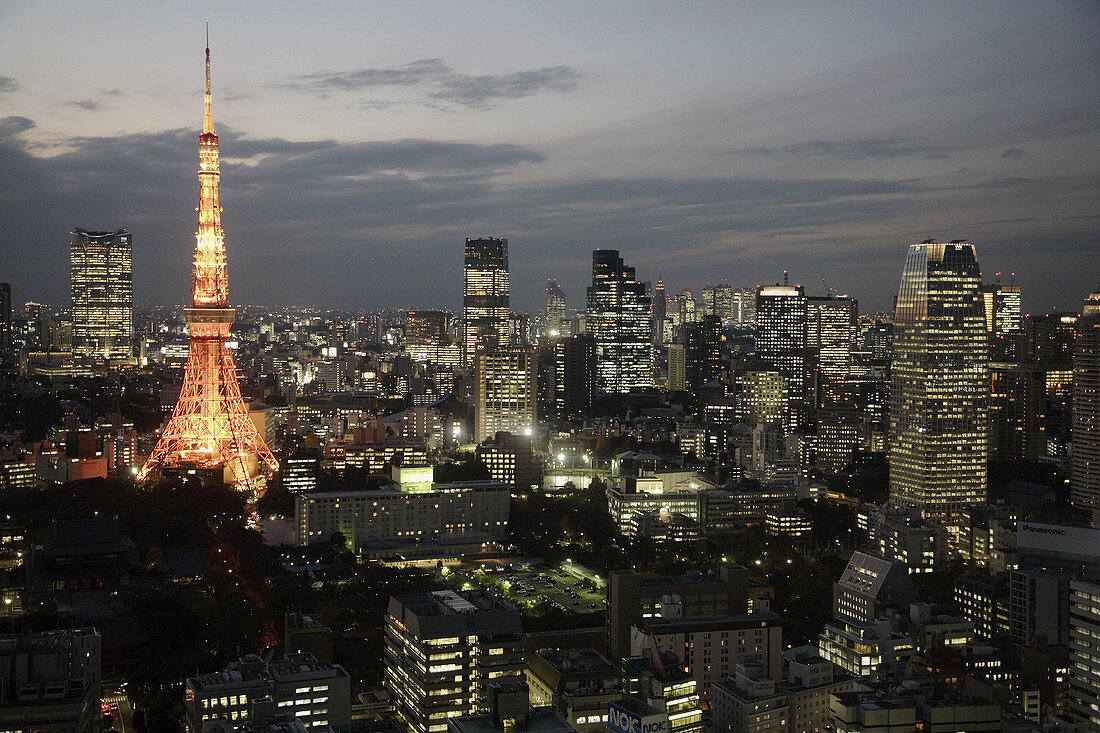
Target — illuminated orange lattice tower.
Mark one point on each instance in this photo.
(210, 429)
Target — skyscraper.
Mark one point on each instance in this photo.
(703, 352)
(618, 317)
(102, 286)
(426, 327)
(570, 377)
(1002, 307)
(723, 302)
(781, 342)
(1085, 470)
(486, 311)
(210, 431)
(504, 391)
(940, 379)
(5, 317)
(659, 312)
(555, 306)
(831, 321)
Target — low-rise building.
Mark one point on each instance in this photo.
(657, 690)
(50, 681)
(909, 706)
(984, 600)
(711, 647)
(396, 514)
(577, 683)
(317, 694)
(84, 564)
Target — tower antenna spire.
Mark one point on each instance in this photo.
(208, 112)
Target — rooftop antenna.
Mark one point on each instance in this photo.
(785, 281)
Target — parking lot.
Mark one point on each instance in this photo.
(532, 589)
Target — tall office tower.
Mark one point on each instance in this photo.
(555, 306)
(939, 423)
(1050, 340)
(746, 306)
(686, 306)
(831, 322)
(426, 327)
(1084, 651)
(571, 379)
(659, 308)
(706, 303)
(102, 286)
(781, 342)
(1002, 307)
(486, 311)
(703, 352)
(677, 368)
(210, 431)
(6, 336)
(723, 302)
(1085, 471)
(504, 391)
(718, 301)
(444, 649)
(1015, 412)
(618, 317)
(762, 398)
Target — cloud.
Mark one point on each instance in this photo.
(1013, 154)
(85, 104)
(440, 82)
(410, 74)
(12, 126)
(8, 84)
(478, 91)
(853, 150)
(364, 224)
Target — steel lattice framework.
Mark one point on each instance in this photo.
(211, 428)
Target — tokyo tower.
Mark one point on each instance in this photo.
(210, 432)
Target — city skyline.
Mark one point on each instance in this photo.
(823, 139)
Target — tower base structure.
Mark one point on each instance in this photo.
(211, 433)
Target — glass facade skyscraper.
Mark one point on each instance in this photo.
(618, 317)
(504, 391)
(940, 383)
(555, 306)
(1085, 465)
(831, 322)
(486, 310)
(781, 343)
(102, 288)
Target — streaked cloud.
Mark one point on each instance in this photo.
(438, 81)
(855, 149)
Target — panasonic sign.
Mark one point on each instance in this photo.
(1060, 538)
(622, 720)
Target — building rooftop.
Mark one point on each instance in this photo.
(539, 720)
(680, 625)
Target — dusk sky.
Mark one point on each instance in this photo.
(362, 142)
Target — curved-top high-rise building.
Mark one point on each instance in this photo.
(210, 432)
(939, 419)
